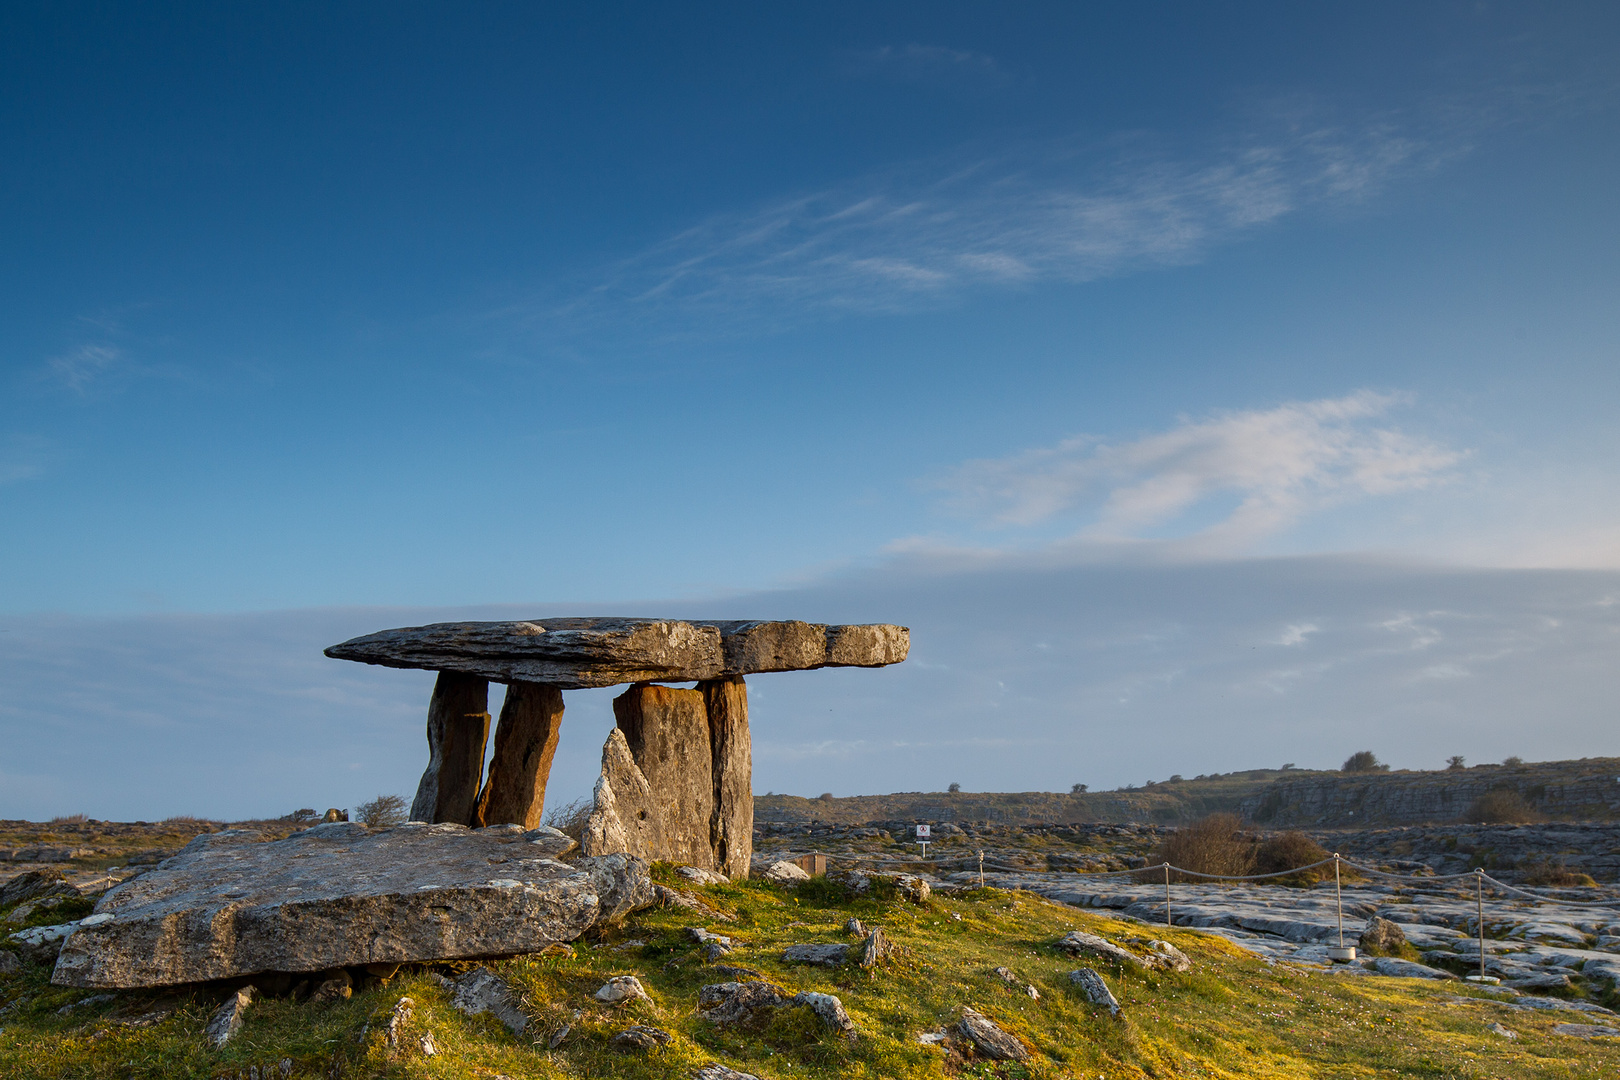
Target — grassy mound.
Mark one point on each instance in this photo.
(1231, 1016)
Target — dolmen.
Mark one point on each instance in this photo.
(474, 874)
(677, 773)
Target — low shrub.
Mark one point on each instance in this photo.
(382, 811)
(1288, 850)
(1552, 873)
(1503, 806)
(1216, 844)
(569, 818)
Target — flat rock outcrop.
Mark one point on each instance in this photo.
(576, 653)
(233, 904)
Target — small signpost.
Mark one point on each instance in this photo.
(925, 833)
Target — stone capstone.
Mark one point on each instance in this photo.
(577, 653)
(232, 904)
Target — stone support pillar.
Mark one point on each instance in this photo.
(457, 730)
(525, 743)
(731, 827)
(667, 730)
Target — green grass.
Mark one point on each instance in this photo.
(1232, 1016)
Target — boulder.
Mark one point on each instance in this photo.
(232, 904)
(1381, 938)
(989, 1039)
(1094, 990)
(35, 885)
(42, 944)
(1166, 957)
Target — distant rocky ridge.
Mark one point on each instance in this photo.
(1583, 790)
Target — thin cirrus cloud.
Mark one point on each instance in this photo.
(1278, 464)
(1050, 212)
(917, 62)
(79, 369)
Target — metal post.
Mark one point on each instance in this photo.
(1338, 897)
(1479, 900)
(1167, 921)
(981, 868)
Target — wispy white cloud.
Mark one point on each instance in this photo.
(917, 62)
(1056, 211)
(22, 457)
(1297, 634)
(87, 364)
(1277, 464)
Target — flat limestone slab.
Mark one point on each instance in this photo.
(338, 895)
(574, 654)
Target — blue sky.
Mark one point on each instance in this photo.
(426, 310)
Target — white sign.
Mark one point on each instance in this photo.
(924, 832)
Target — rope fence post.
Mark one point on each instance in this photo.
(1167, 921)
(1479, 903)
(1340, 954)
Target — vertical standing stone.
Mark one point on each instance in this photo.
(667, 730)
(525, 743)
(731, 827)
(457, 729)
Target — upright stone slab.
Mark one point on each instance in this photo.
(525, 743)
(626, 816)
(731, 826)
(667, 731)
(457, 730)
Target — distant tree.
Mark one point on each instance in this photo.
(1456, 761)
(1363, 761)
(1175, 778)
(1513, 760)
(306, 814)
(382, 811)
(954, 788)
(1287, 765)
(1079, 789)
(825, 796)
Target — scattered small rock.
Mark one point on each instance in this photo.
(481, 991)
(641, 1037)
(429, 1047)
(1006, 974)
(1166, 957)
(716, 1071)
(854, 927)
(1382, 937)
(1095, 990)
(227, 1019)
(1551, 980)
(9, 964)
(398, 1019)
(1587, 1031)
(827, 955)
(621, 988)
(93, 999)
(932, 1038)
(827, 1008)
(1080, 943)
(339, 986)
(783, 872)
(699, 876)
(875, 948)
(1506, 1033)
(738, 1002)
(1034, 994)
(989, 1038)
